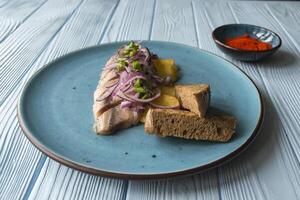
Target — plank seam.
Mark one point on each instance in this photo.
(35, 10)
(35, 176)
(72, 172)
(195, 24)
(107, 21)
(42, 50)
(152, 20)
(233, 13)
(269, 94)
(43, 159)
(53, 186)
(218, 181)
(124, 196)
(1, 6)
(284, 29)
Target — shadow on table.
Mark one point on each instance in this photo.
(260, 154)
(281, 58)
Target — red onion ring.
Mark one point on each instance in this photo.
(133, 98)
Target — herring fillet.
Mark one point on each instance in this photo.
(108, 114)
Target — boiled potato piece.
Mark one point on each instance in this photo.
(166, 100)
(166, 67)
(168, 90)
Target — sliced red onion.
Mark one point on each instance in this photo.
(122, 96)
(123, 76)
(133, 98)
(134, 78)
(147, 53)
(123, 88)
(126, 104)
(129, 90)
(109, 92)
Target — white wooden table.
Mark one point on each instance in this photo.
(34, 32)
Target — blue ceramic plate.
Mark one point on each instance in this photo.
(55, 113)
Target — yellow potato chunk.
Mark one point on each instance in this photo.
(168, 90)
(163, 100)
(166, 100)
(166, 67)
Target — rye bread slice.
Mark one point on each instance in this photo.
(194, 97)
(188, 125)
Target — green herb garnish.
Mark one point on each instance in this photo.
(145, 96)
(131, 44)
(120, 67)
(130, 49)
(139, 90)
(138, 83)
(126, 52)
(132, 52)
(136, 66)
(121, 64)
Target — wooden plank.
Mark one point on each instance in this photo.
(59, 182)
(281, 78)
(66, 44)
(131, 21)
(255, 174)
(239, 174)
(27, 43)
(18, 158)
(203, 186)
(10, 20)
(287, 13)
(175, 21)
(269, 163)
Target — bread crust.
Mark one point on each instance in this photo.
(188, 125)
(194, 97)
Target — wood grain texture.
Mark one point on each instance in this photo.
(131, 21)
(101, 188)
(175, 21)
(10, 20)
(59, 182)
(252, 175)
(18, 157)
(27, 43)
(41, 32)
(203, 186)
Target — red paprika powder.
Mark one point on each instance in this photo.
(248, 43)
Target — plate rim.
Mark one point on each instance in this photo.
(99, 172)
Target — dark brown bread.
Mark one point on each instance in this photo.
(194, 97)
(184, 124)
